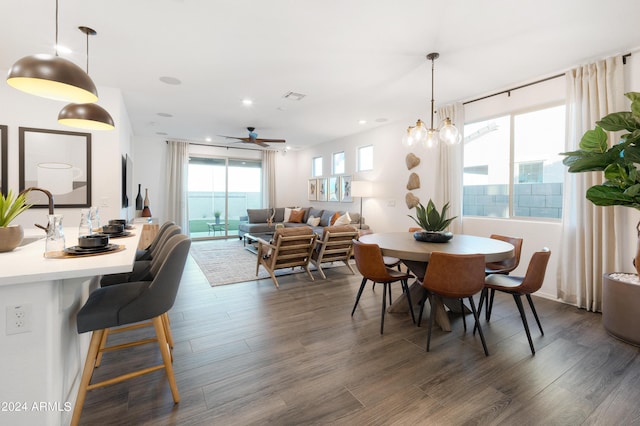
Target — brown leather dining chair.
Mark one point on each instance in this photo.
(519, 286)
(371, 265)
(503, 267)
(455, 276)
(394, 262)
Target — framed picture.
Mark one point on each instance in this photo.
(57, 161)
(345, 189)
(322, 189)
(312, 190)
(334, 188)
(3, 160)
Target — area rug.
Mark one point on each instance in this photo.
(228, 262)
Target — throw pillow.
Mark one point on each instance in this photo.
(296, 216)
(287, 214)
(334, 218)
(345, 219)
(313, 221)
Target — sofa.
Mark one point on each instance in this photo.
(256, 221)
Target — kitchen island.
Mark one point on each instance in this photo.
(41, 364)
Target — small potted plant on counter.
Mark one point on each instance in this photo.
(433, 223)
(11, 235)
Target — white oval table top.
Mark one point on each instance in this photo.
(403, 246)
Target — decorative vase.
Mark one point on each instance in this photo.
(620, 306)
(10, 237)
(146, 212)
(432, 237)
(139, 199)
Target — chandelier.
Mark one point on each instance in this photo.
(446, 131)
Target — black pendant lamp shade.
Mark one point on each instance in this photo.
(52, 77)
(86, 116)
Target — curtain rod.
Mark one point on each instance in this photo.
(226, 146)
(624, 62)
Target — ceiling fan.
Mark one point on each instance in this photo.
(253, 138)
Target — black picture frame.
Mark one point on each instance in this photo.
(58, 161)
(4, 173)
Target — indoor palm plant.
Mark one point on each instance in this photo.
(620, 163)
(433, 223)
(10, 208)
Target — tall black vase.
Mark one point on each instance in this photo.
(139, 199)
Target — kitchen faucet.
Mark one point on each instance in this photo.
(49, 196)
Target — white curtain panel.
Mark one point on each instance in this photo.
(588, 243)
(450, 164)
(269, 178)
(177, 180)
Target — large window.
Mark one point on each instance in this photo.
(512, 167)
(316, 167)
(338, 163)
(220, 190)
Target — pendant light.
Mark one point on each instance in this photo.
(88, 116)
(52, 77)
(430, 137)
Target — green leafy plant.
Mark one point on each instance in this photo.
(216, 214)
(10, 208)
(430, 219)
(619, 162)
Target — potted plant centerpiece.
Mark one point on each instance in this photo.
(11, 235)
(621, 166)
(433, 223)
(216, 215)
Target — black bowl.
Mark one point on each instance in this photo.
(93, 241)
(113, 229)
(122, 222)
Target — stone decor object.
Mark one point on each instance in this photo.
(411, 200)
(414, 181)
(412, 160)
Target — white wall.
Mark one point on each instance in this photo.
(19, 109)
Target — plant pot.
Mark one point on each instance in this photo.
(10, 237)
(621, 309)
(432, 237)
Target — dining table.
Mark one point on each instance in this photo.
(415, 256)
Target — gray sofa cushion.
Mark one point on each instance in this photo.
(258, 215)
(315, 212)
(279, 217)
(325, 219)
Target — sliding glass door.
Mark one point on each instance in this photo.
(220, 192)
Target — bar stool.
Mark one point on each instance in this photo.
(147, 253)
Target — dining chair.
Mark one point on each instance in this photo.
(394, 262)
(370, 263)
(335, 245)
(455, 276)
(131, 306)
(503, 267)
(521, 286)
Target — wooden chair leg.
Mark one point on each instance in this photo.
(166, 357)
(87, 372)
(364, 281)
(103, 343)
(167, 329)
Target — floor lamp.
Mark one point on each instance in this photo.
(361, 188)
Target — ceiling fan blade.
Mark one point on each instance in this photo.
(271, 140)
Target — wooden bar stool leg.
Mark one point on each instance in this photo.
(87, 372)
(103, 343)
(167, 329)
(166, 357)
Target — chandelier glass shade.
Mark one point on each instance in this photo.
(430, 137)
(52, 77)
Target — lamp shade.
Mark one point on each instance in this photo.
(86, 116)
(361, 188)
(52, 77)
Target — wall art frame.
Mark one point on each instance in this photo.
(58, 161)
(345, 189)
(334, 188)
(323, 189)
(4, 146)
(312, 190)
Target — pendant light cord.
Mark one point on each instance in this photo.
(433, 65)
(87, 52)
(56, 46)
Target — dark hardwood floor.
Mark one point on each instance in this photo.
(249, 354)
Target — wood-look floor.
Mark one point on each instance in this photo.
(249, 354)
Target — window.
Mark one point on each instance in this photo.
(338, 163)
(365, 158)
(316, 167)
(512, 167)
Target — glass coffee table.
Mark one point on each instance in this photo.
(250, 241)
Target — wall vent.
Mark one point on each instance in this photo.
(293, 96)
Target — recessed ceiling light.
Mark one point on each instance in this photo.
(207, 139)
(170, 80)
(362, 122)
(165, 114)
(247, 102)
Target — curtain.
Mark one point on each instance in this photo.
(588, 248)
(177, 189)
(450, 164)
(269, 178)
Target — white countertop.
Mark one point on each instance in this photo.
(27, 263)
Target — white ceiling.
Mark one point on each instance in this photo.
(353, 59)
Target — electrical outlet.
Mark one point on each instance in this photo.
(18, 319)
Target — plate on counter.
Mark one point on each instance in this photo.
(77, 250)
